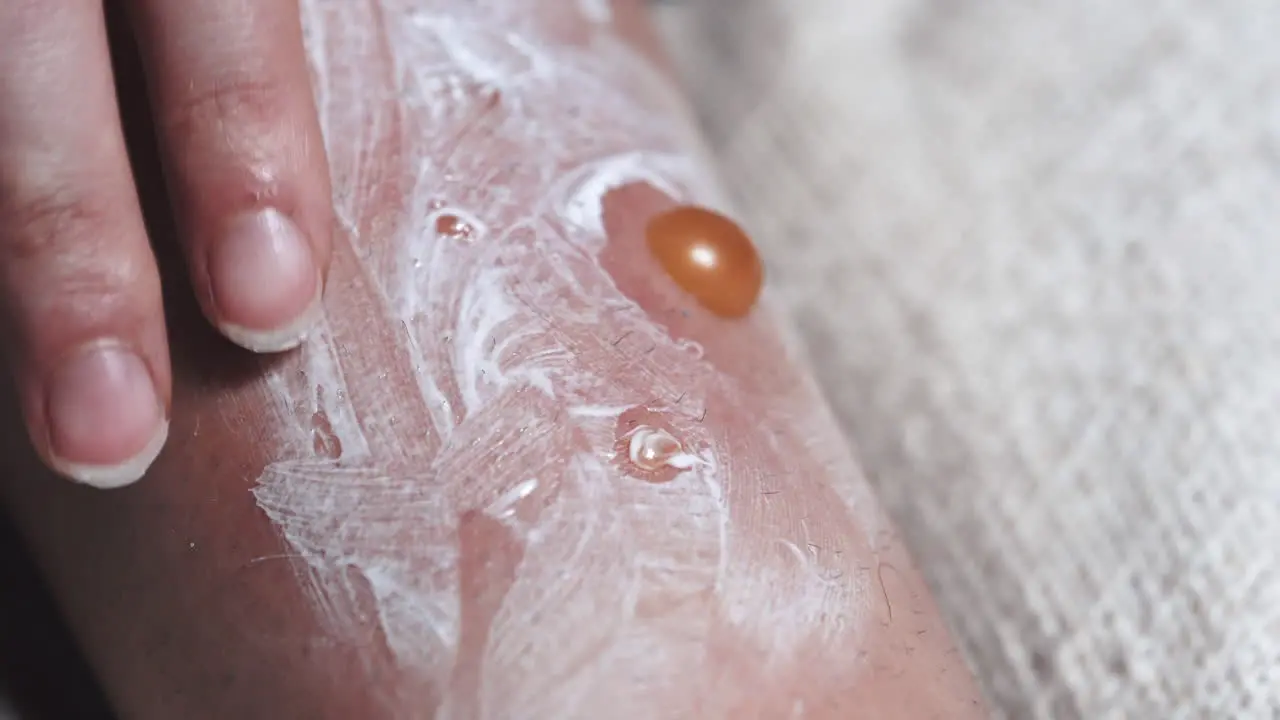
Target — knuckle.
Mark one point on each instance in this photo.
(36, 225)
(227, 101)
(71, 244)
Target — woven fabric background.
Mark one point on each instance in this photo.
(1034, 247)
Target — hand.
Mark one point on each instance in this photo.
(79, 288)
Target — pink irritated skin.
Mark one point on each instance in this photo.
(429, 509)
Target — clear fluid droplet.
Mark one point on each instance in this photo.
(652, 449)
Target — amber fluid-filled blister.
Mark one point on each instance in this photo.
(709, 257)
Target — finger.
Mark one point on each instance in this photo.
(79, 289)
(245, 159)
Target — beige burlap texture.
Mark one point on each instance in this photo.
(1034, 247)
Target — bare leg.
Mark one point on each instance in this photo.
(433, 508)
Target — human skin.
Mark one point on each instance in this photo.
(81, 317)
(430, 510)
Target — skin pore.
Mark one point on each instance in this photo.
(433, 508)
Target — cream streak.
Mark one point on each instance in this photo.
(516, 122)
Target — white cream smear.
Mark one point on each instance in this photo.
(598, 591)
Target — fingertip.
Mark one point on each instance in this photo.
(280, 339)
(266, 283)
(104, 420)
(117, 475)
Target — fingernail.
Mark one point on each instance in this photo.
(265, 283)
(106, 423)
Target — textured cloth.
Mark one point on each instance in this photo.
(1034, 247)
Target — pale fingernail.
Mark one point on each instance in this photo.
(106, 423)
(265, 283)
